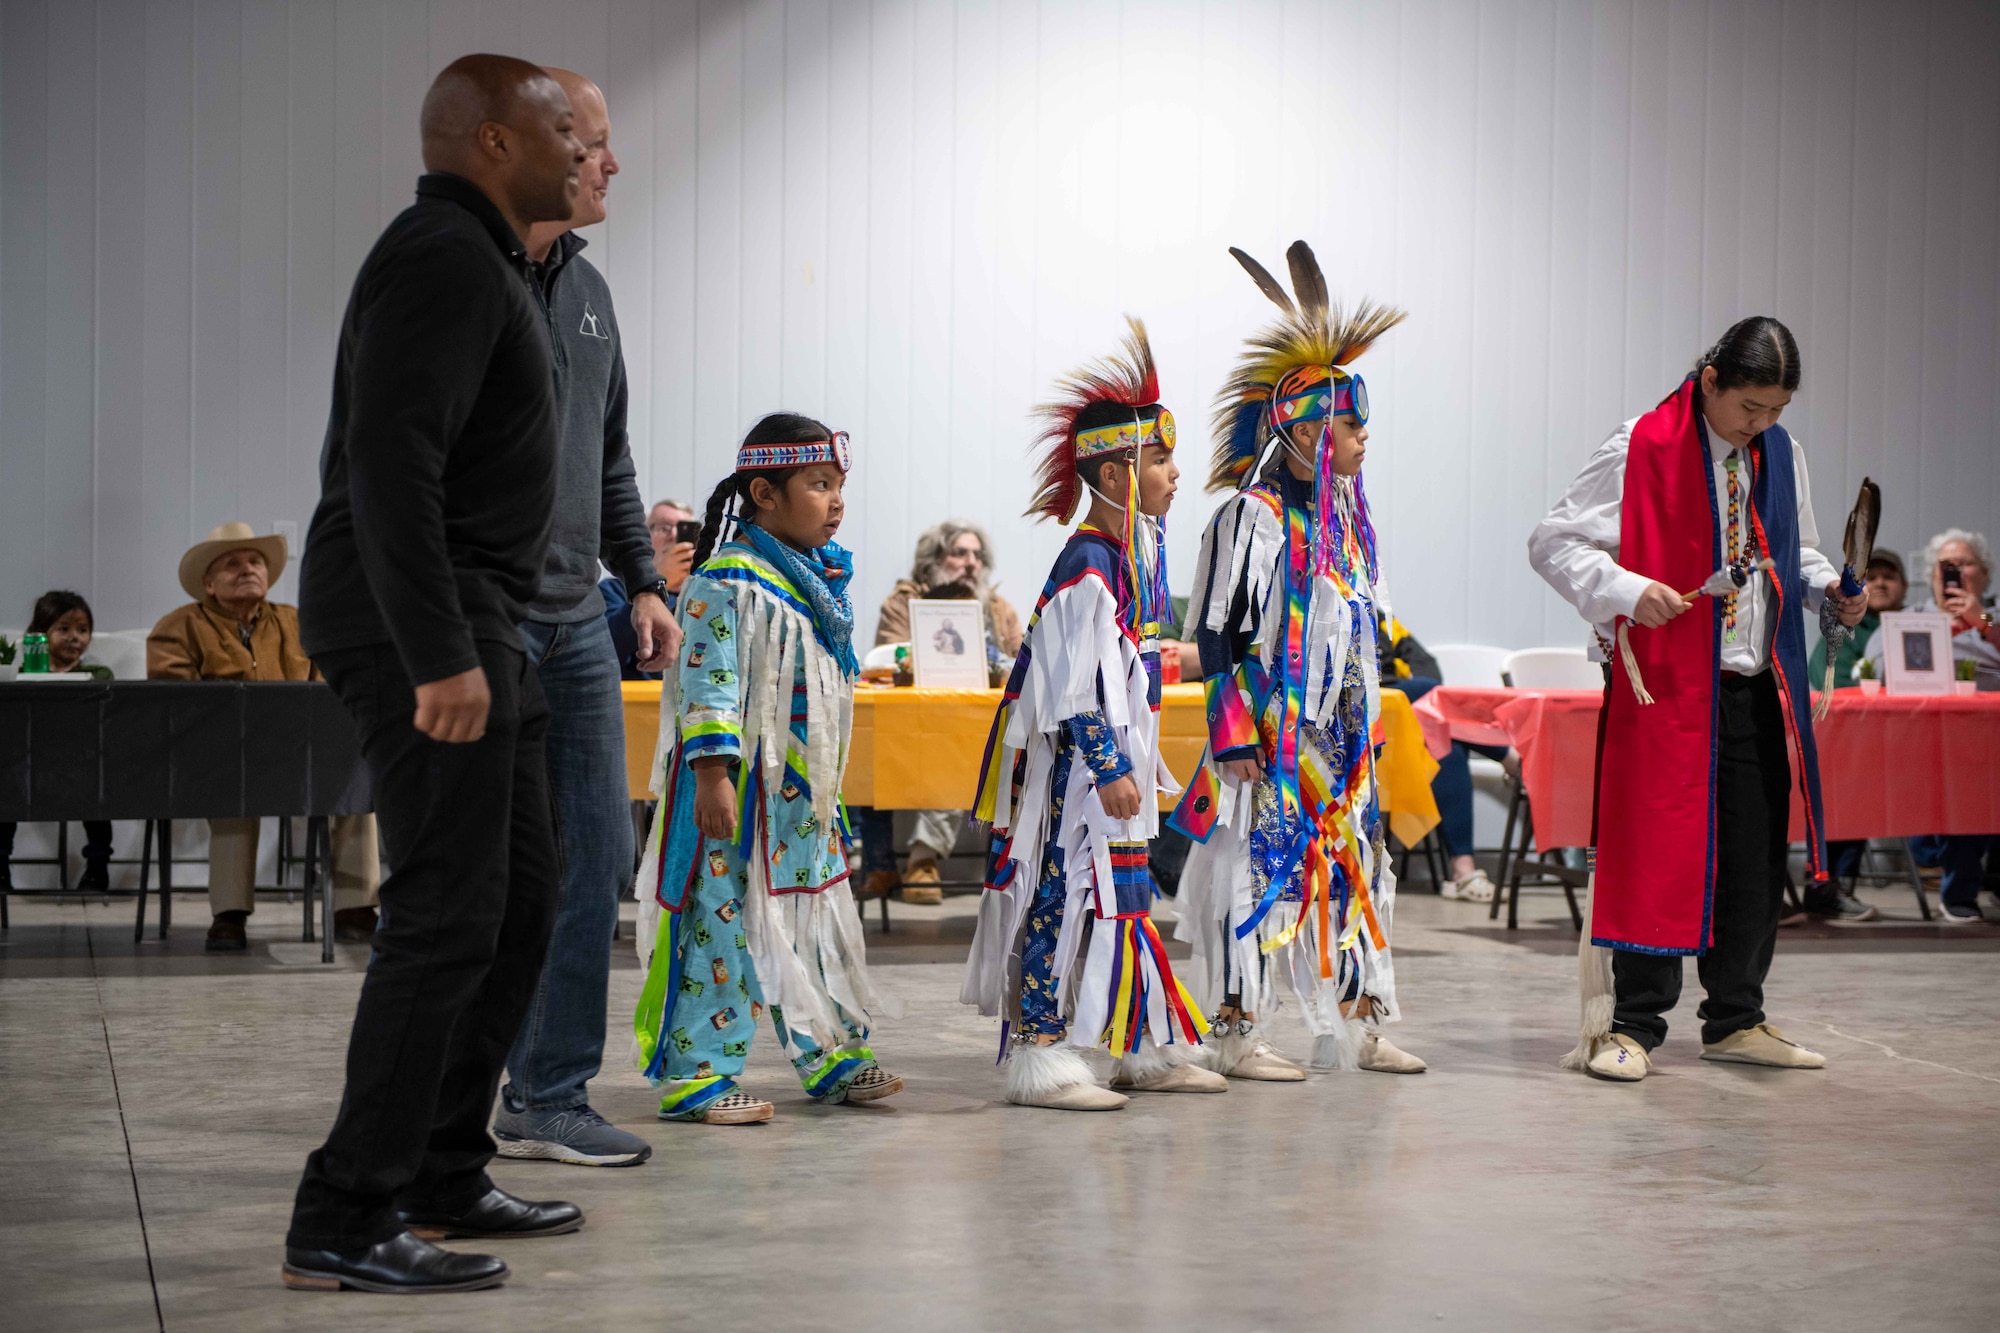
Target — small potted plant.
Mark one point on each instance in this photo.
(1865, 677)
(1966, 680)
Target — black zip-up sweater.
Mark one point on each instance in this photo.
(598, 512)
(437, 479)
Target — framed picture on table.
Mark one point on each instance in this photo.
(1916, 652)
(948, 644)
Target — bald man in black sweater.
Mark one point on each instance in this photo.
(437, 483)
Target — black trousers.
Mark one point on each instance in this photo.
(466, 914)
(1753, 786)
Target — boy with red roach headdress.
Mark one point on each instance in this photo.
(1064, 949)
(1290, 888)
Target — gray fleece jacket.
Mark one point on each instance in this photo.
(598, 512)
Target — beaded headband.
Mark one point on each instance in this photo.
(833, 449)
(1310, 393)
(1122, 435)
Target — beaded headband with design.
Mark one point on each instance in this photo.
(1120, 436)
(1128, 380)
(1312, 393)
(1309, 348)
(759, 457)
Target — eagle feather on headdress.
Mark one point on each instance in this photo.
(1314, 331)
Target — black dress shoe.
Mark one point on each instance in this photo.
(96, 878)
(354, 925)
(403, 1265)
(496, 1216)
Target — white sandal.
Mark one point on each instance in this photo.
(1474, 888)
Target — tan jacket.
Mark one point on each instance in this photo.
(199, 642)
(1003, 625)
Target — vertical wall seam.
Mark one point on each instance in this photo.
(96, 268)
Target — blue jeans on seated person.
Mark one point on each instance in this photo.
(1964, 857)
(1452, 787)
(560, 1047)
(877, 831)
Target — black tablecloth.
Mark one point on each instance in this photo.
(176, 750)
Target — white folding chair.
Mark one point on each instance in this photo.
(1540, 669)
(1552, 669)
(1479, 664)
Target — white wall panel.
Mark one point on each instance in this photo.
(907, 216)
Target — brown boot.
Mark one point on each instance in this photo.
(879, 884)
(920, 884)
(226, 933)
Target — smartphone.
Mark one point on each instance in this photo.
(687, 530)
(1952, 578)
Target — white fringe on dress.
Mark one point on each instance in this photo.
(807, 947)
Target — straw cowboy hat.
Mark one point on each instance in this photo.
(220, 541)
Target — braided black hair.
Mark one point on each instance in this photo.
(777, 428)
(1757, 352)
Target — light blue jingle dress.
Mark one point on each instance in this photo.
(765, 920)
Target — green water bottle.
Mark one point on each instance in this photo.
(34, 654)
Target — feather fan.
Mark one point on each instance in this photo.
(1862, 524)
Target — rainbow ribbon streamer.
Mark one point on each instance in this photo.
(1284, 714)
(1138, 943)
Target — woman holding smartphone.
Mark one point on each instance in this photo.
(1958, 565)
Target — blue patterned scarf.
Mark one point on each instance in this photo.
(823, 576)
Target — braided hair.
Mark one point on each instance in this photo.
(777, 428)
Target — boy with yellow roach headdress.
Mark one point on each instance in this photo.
(1065, 950)
(1290, 888)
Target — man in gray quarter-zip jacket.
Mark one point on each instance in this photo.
(544, 1108)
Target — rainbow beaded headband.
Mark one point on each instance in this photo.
(833, 449)
(1313, 392)
(1123, 435)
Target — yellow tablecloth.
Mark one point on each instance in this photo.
(920, 749)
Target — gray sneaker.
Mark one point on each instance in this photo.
(577, 1135)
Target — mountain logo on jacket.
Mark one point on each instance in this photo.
(592, 326)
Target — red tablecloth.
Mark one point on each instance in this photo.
(1889, 767)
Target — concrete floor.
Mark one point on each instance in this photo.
(156, 1105)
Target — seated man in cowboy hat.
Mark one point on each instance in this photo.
(230, 632)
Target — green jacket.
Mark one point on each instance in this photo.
(1851, 652)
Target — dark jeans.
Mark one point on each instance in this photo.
(1964, 857)
(1843, 857)
(1452, 787)
(1753, 784)
(561, 1044)
(877, 831)
(96, 844)
(466, 911)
